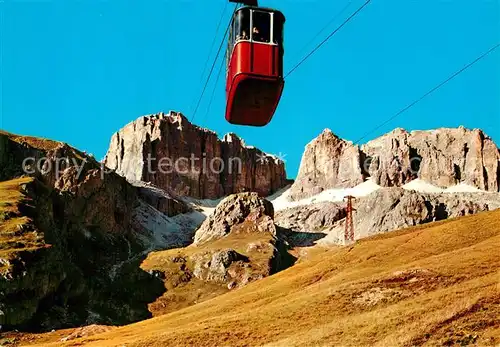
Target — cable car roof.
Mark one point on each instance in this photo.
(263, 9)
(246, 2)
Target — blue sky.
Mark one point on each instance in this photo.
(77, 71)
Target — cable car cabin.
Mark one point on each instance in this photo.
(254, 80)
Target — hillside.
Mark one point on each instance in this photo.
(237, 244)
(73, 235)
(432, 284)
(86, 247)
(69, 240)
(17, 235)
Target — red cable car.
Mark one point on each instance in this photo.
(254, 75)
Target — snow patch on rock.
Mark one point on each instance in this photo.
(281, 200)
(422, 187)
(425, 187)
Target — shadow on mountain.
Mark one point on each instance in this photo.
(300, 238)
(279, 193)
(113, 296)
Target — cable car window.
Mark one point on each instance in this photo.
(231, 36)
(277, 30)
(230, 43)
(242, 25)
(261, 27)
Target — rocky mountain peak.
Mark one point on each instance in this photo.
(233, 138)
(443, 157)
(399, 130)
(327, 135)
(328, 161)
(175, 155)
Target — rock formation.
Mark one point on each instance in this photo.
(75, 259)
(327, 162)
(74, 233)
(165, 203)
(232, 211)
(313, 217)
(443, 157)
(384, 210)
(175, 155)
(395, 208)
(69, 240)
(236, 245)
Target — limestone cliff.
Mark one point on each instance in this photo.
(175, 155)
(327, 162)
(444, 157)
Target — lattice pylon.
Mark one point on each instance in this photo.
(349, 222)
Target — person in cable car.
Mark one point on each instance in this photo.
(243, 36)
(257, 36)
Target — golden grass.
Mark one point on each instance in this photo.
(10, 198)
(236, 241)
(182, 289)
(13, 237)
(47, 145)
(432, 285)
(36, 142)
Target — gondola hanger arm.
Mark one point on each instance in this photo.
(246, 2)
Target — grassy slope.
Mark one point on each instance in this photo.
(361, 295)
(35, 142)
(183, 290)
(14, 236)
(44, 144)
(10, 198)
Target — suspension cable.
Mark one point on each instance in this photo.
(327, 38)
(213, 66)
(211, 48)
(215, 87)
(213, 40)
(325, 26)
(406, 108)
